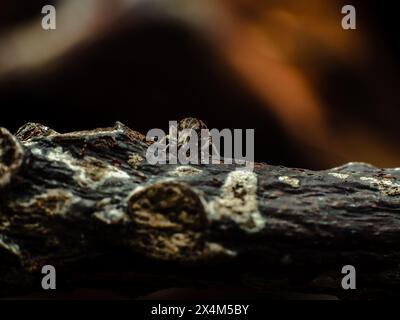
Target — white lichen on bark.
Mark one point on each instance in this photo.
(88, 172)
(342, 176)
(385, 186)
(185, 171)
(293, 182)
(238, 201)
(135, 159)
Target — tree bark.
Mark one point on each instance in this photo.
(89, 204)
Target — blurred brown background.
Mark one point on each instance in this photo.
(317, 95)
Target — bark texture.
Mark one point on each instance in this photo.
(89, 204)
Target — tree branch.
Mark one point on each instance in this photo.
(89, 204)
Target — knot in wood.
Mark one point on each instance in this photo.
(11, 156)
(168, 218)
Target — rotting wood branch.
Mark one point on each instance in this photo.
(89, 204)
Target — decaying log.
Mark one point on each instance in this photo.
(89, 204)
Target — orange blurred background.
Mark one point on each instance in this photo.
(317, 95)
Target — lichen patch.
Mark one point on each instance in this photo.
(134, 160)
(109, 212)
(88, 172)
(293, 182)
(238, 201)
(185, 171)
(341, 176)
(385, 186)
(53, 202)
(111, 216)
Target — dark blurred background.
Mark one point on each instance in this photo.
(316, 95)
